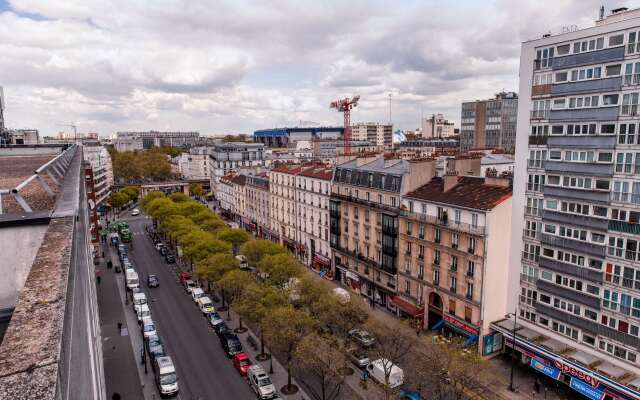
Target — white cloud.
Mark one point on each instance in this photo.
(185, 64)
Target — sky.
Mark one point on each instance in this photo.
(234, 66)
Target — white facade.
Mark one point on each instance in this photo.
(437, 126)
(100, 161)
(224, 192)
(234, 157)
(380, 134)
(195, 164)
(128, 144)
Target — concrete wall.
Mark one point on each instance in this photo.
(18, 247)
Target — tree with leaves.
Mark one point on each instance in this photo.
(195, 189)
(320, 360)
(118, 199)
(233, 284)
(201, 245)
(132, 193)
(237, 237)
(279, 269)
(256, 303)
(214, 267)
(255, 250)
(149, 197)
(284, 328)
(179, 197)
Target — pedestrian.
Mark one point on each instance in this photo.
(116, 396)
(119, 326)
(109, 264)
(98, 279)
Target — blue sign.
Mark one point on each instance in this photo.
(586, 389)
(545, 369)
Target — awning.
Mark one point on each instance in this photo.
(471, 340)
(407, 307)
(322, 260)
(438, 325)
(353, 276)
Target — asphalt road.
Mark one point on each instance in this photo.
(204, 371)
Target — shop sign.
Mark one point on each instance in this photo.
(459, 324)
(492, 343)
(569, 370)
(585, 389)
(545, 369)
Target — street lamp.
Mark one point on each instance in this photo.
(513, 341)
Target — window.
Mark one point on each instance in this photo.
(468, 312)
(474, 220)
(471, 268)
(610, 100)
(436, 276)
(469, 290)
(616, 40)
(452, 307)
(563, 49)
(453, 283)
(561, 77)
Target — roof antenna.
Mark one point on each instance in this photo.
(601, 13)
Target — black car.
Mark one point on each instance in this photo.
(163, 251)
(230, 343)
(170, 258)
(152, 281)
(221, 329)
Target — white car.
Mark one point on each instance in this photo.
(196, 293)
(143, 312)
(148, 327)
(138, 300)
(260, 382)
(135, 212)
(205, 305)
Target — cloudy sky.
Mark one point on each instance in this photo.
(233, 66)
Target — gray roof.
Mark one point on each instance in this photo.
(400, 167)
(491, 159)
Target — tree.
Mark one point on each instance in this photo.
(127, 166)
(132, 193)
(179, 197)
(392, 346)
(155, 165)
(256, 303)
(195, 189)
(202, 245)
(213, 268)
(237, 237)
(320, 359)
(118, 199)
(149, 197)
(279, 269)
(255, 250)
(212, 225)
(161, 208)
(284, 328)
(233, 283)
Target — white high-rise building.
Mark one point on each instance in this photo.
(436, 126)
(576, 214)
(379, 134)
(100, 160)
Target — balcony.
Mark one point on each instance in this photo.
(469, 274)
(590, 86)
(573, 270)
(570, 294)
(454, 245)
(583, 142)
(599, 224)
(532, 163)
(624, 197)
(593, 57)
(434, 220)
(577, 245)
(585, 114)
(420, 256)
(371, 204)
(534, 187)
(542, 63)
(436, 262)
(540, 114)
(471, 250)
(453, 268)
(538, 140)
(625, 254)
(576, 194)
(540, 90)
(469, 296)
(532, 211)
(421, 236)
(631, 79)
(452, 289)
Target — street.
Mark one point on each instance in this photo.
(204, 371)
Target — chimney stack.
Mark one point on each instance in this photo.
(450, 180)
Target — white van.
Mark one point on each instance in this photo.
(131, 277)
(138, 300)
(143, 312)
(166, 377)
(260, 382)
(196, 293)
(205, 305)
(377, 372)
(243, 261)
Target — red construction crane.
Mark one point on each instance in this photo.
(345, 106)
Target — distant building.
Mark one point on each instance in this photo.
(490, 124)
(437, 126)
(195, 164)
(328, 150)
(380, 134)
(257, 213)
(100, 161)
(283, 137)
(233, 157)
(20, 136)
(130, 141)
(427, 147)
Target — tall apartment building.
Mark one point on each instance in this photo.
(454, 243)
(436, 126)
(379, 134)
(283, 205)
(224, 192)
(233, 157)
(489, 124)
(195, 163)
(365, 208)
(130, 141)
(577, 206)
(99, 159)
(257, 203)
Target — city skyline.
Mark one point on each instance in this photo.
(108, 67)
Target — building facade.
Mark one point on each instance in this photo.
(257, 204)
(283, 205)
(283, 137)
(130, 141)
(224, 191)
(364, 212)
(328, 150)
(436, 126)
(234, 157)
(489, 124)
(447, 264)
(99, 159)
(575, 215)
(195, 164)
(380, 134)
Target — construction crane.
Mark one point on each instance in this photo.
(75, 129)
(344, 106)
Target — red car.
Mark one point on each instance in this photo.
(241, 362)
(184, 277)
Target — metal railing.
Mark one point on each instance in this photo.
(432, 219)
(55, 169)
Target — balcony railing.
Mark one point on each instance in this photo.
(631, 255)
(432, 219)
(540, 114)
(364, 202)
(532, 211)
(538, 140)
(631, 79)
(625, 197)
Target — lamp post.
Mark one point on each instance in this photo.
(513, 341)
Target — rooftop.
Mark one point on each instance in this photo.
(469, 192)
(318, 171)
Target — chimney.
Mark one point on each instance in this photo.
(450, 180)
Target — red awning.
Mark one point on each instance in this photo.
(407, 307)
(322, 260)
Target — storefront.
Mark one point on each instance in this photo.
(407, 309)
(289, 244)
(322, 265)
(453, 326)
(565, 368)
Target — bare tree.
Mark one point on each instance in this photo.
(320, 359)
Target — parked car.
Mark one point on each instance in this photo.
(230, 343)
(170, 258)
(260, 382)
(189, 285)
(154, 347)
(135, 212)
(215, 319)
(184, 277)
(159, 245)
(143, 312)
(409, 395)
(138, 300)
(362, 337)
(221, 328)
(148, 327)
(163, 251)
(131, 277)
(359, 357)
(153, 281)
(205, 305)
(377, 372)
(165, 376)
(241, 362)
(196, 293)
